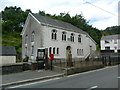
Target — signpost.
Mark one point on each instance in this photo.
(51, 59)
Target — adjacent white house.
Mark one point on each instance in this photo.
(57, 36)
(110, 42)
(7, 55)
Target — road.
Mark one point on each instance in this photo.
(102, 78)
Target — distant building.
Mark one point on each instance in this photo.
(57, 36)
(7, 55)
(111, 43)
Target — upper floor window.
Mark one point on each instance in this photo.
(64, 36)
(33, 37)
(26, 38)
(79, 38)
(72, 37)
(54, 34)
(107, 41)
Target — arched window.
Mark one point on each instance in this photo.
(54, 50)
(50, 50)
(57, 50)
(33, 36)
(64, 36)
(72, 37)
(54, 34)
(79, 38)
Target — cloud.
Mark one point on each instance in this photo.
(98, 18)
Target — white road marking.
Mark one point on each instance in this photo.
(92, 87)
(34, 83)
(118, 77)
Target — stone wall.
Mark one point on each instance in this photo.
(20, 67)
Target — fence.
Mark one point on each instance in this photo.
(81, 64)
(76, 62)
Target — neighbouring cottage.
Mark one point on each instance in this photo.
(60, 38)
(110, 43)
(7, 55)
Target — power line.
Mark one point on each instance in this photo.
(101, 8)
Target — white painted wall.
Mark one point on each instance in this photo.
(85, 42)
(112, 45)
(6, 60)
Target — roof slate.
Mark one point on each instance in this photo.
(54, 22)
(117, 36)
(7, 50)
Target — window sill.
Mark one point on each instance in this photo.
(56, 54)
(54, 40)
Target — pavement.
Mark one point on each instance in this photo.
(27, 77)
(102, 78)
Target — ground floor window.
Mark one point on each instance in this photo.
(57, 50)
(54, 50)
(50, 50)
(80, 52)
(32, 50)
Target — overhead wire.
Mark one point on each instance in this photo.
(101, 8)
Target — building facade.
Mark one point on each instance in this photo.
(57, 36)
(110, 43)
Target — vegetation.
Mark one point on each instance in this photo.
(13, 19)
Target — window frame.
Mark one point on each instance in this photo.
(54, 34)
(72, 37)
(50, 50)
(79, 38)
(57, 50)
(64, 36)
(54, 50)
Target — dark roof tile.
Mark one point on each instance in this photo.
(117, 36)
(7, 50)
(54, 22)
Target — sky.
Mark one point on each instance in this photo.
(100, 13)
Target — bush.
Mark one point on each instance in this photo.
(26, 59)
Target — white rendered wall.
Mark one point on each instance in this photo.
(6, 60)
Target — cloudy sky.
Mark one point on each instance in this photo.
(99, 13)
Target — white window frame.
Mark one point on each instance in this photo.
(54, 34)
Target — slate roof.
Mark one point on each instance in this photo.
(54, 22)
(117, 36)
(7, 51)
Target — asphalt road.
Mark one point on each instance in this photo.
(103, 78)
